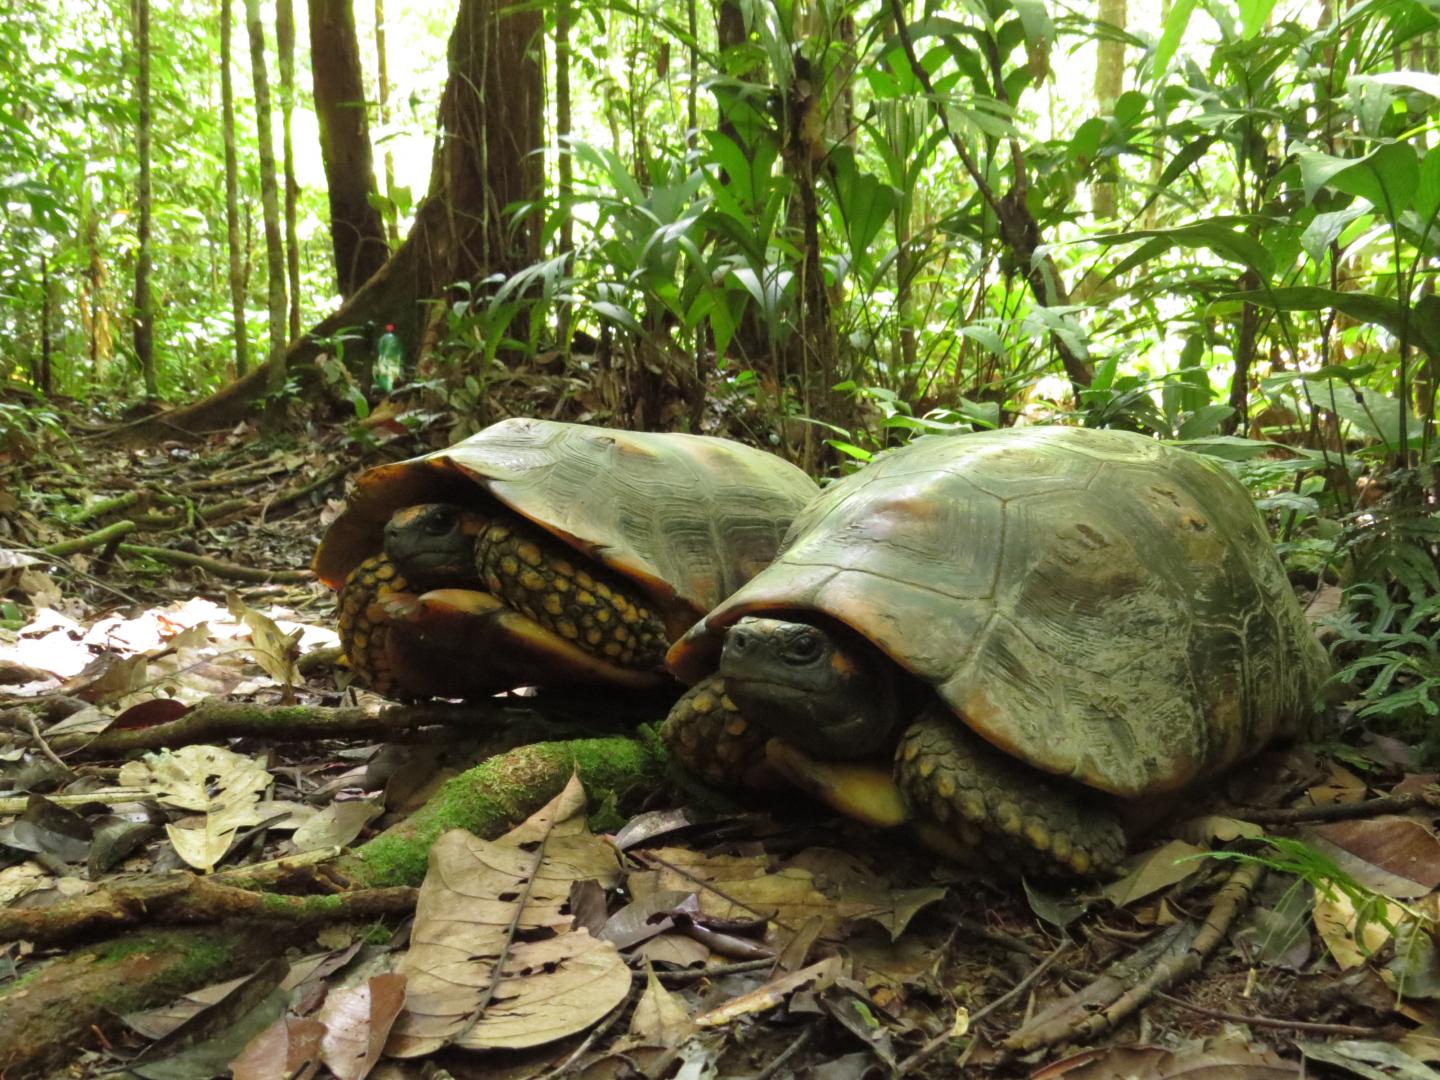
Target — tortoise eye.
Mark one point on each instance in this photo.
(803, 648)
(440, 522)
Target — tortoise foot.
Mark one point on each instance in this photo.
(364, 630)
(990, 801)
(707, 735)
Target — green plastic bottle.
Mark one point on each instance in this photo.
(389, 360)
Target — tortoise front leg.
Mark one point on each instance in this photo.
(988, 800)
(706, 734)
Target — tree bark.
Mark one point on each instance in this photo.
(144, 300)
(43, 373)
(269, 202)
(565, 164)
(232, 196)
(392, 228)
(1109, 85)
(356, 229)
(285, 44)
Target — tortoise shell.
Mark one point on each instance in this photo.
(688, 518)
(1095, 603)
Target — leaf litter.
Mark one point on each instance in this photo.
(686, 945)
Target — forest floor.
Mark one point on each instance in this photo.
(141, 589)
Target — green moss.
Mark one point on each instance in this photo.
(498, 794)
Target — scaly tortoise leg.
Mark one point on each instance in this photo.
(988, 800)
(364, 635)
(707, 735)
(591, 607)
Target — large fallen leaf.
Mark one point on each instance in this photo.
(742, 886)
(1395, 856)
(223, 788)
(357, 1023)
(494, 959)
(290, 1047)
(1221, 1061)
(1371, 1059)
(661, 1018)
(1151, 871)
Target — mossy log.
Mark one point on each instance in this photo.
(71, 1002)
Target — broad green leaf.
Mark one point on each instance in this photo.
(1216, 236)
(1422, 81)
(1424, 321)
(1386, 177)
(1253, 16)
(1427, 189)
(617, 314)
(1325, 229)
(1205, 421)
(1174, 31)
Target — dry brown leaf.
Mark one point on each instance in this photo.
(1350, 942)
(818, 976)
(1222, 1061)
(661, 1018)
(1398, 857)
(741, 886)
(1153, 870)
(336, 825)
(223, 787)
(273, 649)
(481, 975)
(290, 1047)
(357, 1022)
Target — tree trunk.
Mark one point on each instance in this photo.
(144, 300)
(564, 163)
(42, 374)
(285, 43)
(356, 229)
(392, 228)
(489, 122)
(232, 196)
(269, 202)
(1109, 85)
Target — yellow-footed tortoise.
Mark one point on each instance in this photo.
(540, 553)
(1034, 624)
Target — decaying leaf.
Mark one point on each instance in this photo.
(661, 1018)
(1220, 1061)
(495, 960)
(223, 788)
(290, 1047)
(742, 886)
(274, 650)
(336, 825)
(1153, 870)
(357, 1023)
(1395, 856)
(1371, 1059)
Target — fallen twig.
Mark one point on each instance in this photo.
(1101, 1016)
(218, 567)
(1428, 799)
(926, 1052)
(215, 719)
(1307, 1027)
(90, 541)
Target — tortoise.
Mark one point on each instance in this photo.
(538, 552)
(1028, 629)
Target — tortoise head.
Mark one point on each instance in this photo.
(433, 544)
(821, 688)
